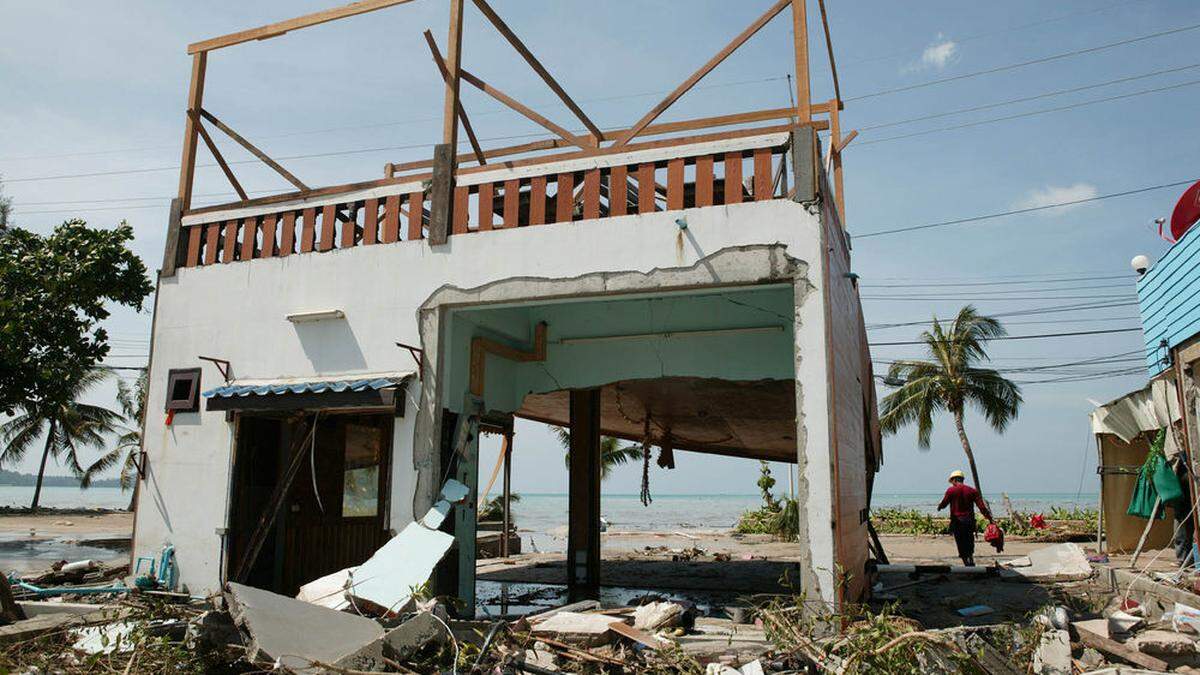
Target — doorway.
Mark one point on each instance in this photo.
(334, 512)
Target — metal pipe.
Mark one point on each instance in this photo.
(507, 520)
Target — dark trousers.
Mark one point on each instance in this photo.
(963, 529)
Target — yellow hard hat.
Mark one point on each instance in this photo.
(955, 474)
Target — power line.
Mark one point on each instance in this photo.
(919, 298)
(1042, 322)
(1010, 29)
(1031, 113)
(416, 120)
(1031, 209)
(1023, 337)
(1023, 64)
(1029, 311)
(1026, 99)
(1003, 283)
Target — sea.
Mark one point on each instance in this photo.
(541, 518)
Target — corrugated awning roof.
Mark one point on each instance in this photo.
(294, 387)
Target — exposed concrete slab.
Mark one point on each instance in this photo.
(1060, 562)
(1053, 655)
(414, 635)
(294, 633)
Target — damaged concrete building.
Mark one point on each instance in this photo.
(323, 361)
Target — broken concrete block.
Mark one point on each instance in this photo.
(1060, 562)
(1096, 626)
(658, 615)
(413, 636)
(386, 581)
(586, 629)
(454, 491)
(1053, 655)
(1163, 643)
(720, 669)
(295, 634)
(328, 591)
(541, 657)
(1123, 622)
(753, 668)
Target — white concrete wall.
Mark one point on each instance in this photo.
(237, 312)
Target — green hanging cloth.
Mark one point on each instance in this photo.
(1155, 480)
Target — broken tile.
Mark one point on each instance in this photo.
(588, 629)
(295, 633)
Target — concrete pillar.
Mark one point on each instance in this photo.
(583, 496)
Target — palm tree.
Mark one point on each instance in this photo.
(132, 400)
(69, 426)
(950, 380)
(612, 453)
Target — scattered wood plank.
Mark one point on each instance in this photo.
(1114, 648)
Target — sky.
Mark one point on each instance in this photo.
(91, 123)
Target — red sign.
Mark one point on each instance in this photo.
(1187, 212)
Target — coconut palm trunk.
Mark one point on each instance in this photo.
(966, 443)
(37, 490)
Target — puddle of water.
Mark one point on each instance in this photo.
(25, 554)
(510, 598)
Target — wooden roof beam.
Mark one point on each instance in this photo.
(262, 156)
(704, 70)
(462, 114)
(837, 89)
(511, 102)
(538, 68)
(216, 153)
(280, 27)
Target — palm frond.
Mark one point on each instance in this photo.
(105, 462)
(996, 397)
(18, 435)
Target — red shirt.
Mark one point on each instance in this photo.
(963, 499)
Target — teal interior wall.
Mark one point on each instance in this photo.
(730, 356)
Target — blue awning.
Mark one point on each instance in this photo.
(304, 388)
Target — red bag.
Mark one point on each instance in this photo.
(1038, 522)
(994, 536)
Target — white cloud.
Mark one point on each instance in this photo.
(1051, 194)
(939, 54)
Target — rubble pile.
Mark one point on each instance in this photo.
(1090, 626)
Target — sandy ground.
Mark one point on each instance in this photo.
(78, 525)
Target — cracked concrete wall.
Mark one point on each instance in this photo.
(238, 312)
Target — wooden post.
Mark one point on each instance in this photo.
(583, 497)
(171, 255)
(187, 165)
(445, 155)
(1100, 543)
(835, 154)
(9, 608)
(800, 39)
(1146, 531)
(508, 441)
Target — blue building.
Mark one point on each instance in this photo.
(1169, 301)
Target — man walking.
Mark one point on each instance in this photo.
(963, 499)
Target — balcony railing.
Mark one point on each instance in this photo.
(713, 170)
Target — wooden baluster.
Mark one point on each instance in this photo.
(229, 245)
(675, 184)
(249, 237)
(350, 227)
(287, 238)
(371, 222)
(591, 194)
(462, 196)
(416, 215)
(267, 250)
(391, 219)
(764, 181)
(733, 178)
(193, 246)
(512, 202)
(537, 200)
(618, 191)
(645, 180)
(487, 201)
(704, 180)
(328, 224)
(565, 202)
(308, 230)
(212, 233)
